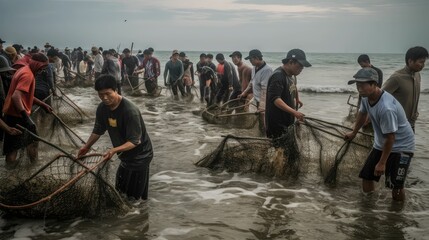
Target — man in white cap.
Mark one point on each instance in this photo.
(393, 136)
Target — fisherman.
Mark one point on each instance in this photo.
(364, 62)
(210, 83)
(174, 70)
(282, 93)
(129, 65)
(188, 73)
(404, 84)
(112, 66)
(244, 75)
(393, 136)
(98, 61)
(123, 121)
(17, 109)
(200, 65)
(66, 64)
(152, 70)
(228, 80)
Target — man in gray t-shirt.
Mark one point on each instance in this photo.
(393, 136)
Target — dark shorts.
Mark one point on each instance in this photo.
(396, 168)
(13, 143)
(133, 183)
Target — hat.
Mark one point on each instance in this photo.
(238, 54)
(220, 56)
(365, 75)
(47, 45)
(182, 54)
(126, 50)
(79, 48)
(4, 65)
(66, 49)
(146, 52)
(94, 49)
(298, 55)
(2, 41)
(254, 53)
(9, 50)
(151, 49)
(173, 53)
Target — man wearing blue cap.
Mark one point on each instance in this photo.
(393, 136)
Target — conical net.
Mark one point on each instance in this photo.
(312, 147)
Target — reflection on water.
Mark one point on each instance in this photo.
(187, 202)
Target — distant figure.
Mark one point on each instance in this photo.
(66, 64)
(1, 45)
(98, 61)
(123, 121)
(244, 76)
(200, 64)
(152, 70)
(210, 62)
(282, 94)
(129, 65)
(230, 87)
(174, 70)
(188, 72)
(404, 84)
(364, 62)
(112, 67)
(210, 83)
(393, 137)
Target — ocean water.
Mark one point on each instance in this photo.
(187, 202)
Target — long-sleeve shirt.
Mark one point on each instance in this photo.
(260, 77)
(174, 70)
(98, 63)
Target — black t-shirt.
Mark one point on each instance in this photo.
(280, 85)
(130, 64)
(124, 124)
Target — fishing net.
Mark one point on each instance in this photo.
(58, 185)
(236, 113)
(312, 147)
(64, 108)
(76, 79)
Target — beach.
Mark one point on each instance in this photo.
(187, 202)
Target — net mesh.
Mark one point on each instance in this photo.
(237, 113)
(75, 79)
(312, 147)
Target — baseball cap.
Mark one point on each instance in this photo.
(236, 53)
(365, 75)
(182, 54)
(298, 55)
(94, 49)
(254, 53)
(173, 53)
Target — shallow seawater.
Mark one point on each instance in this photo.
(187, 202)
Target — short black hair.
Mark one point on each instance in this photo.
(220, 56)
(203, 55)
(415, 53)
(151, 50)
(363, 58)
(209, 55)
(105, 81)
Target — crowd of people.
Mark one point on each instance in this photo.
(391, 107)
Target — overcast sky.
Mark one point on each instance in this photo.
(338, 26)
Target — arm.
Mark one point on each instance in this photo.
(42, 104)
(283, 106)
(380, 168)
(91, 140)
(182, 71)
(157, 68)
(9, 130)
(360, 121)
(165, 73)
(391, 85)
(122, 148)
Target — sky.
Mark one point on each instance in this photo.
(325, 26)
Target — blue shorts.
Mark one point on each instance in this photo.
(396, 168)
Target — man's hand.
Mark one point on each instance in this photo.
(82, 151)
(13, 131)
(299, 104)
(29, 124)
(379, 169)
(47, 108)
(108, 155)
(299, 116)
(349, 136)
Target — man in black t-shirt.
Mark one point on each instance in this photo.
(364, 62)
(129, 65)
(282, 94)
(124, 123)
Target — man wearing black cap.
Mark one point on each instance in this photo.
(228, 80)
(200, 65)
(393, 136)
(282, 94)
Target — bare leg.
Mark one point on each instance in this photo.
(32, 151)
(398, 194)
(368, 186)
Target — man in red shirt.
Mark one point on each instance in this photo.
(17, 109)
